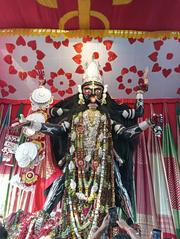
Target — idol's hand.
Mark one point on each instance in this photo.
(21, 122)
(145, 74)
(41, 74)
(157, 121)
(143, 86)
(42, 80)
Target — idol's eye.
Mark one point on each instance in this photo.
(87, 91)
(98, 91)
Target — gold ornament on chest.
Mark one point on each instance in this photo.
(92, 114)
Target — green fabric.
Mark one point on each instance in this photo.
(170, 153)
(20, 111)
(178, 130)
(169, 149)
(7, 195)
(178, 109)
(6, 122)
(176, 214)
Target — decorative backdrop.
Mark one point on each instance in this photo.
(122, 61)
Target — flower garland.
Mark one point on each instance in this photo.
(85, 183)
(24, 226)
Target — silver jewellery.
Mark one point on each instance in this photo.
(81, 98)
(91, 124)
(103, 102)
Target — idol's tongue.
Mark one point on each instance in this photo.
(93, 99)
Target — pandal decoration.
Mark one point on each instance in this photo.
(16, 181)
(9, 148)
(20, 225)
(29, 178)
(27, 159)
(41, 98)
(30, 154)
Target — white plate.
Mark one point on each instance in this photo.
(26, 153)
(24, 162)
(41, 95)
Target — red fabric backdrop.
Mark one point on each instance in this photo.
(134, 14)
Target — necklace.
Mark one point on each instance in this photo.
(85, 192)
(91, 121)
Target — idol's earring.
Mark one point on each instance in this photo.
(81, 98)
(103, 102)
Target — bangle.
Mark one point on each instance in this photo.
(140, 93)
(144, 125)
(149, 122)
(35, 125)
(59, 111)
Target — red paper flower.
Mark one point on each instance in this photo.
(6, 89)
(110, 55)
(61, 83)
(154, 57)
(24, 59)
(56, 44)
(128, 84)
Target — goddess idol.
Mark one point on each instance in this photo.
(91, 136)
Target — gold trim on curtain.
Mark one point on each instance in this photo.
(91, 33)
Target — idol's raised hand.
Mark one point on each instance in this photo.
(143, 85)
